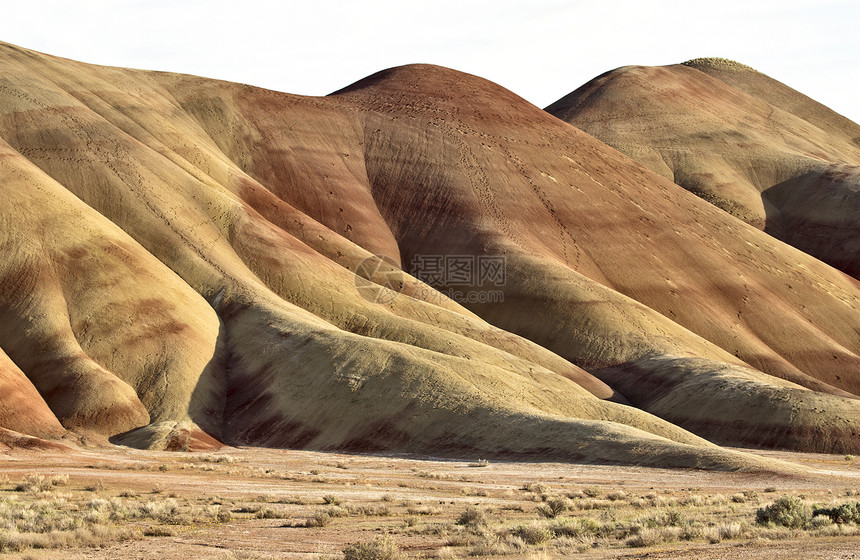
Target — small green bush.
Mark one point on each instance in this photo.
(787, 511)
(845, 513)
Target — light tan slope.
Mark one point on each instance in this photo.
(263, 204)
(110, 337)
(739, 139)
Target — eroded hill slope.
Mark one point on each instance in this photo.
(745, 142)
(180, 257)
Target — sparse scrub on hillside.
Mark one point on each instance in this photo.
(716, 62)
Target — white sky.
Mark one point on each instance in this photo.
(541, 50)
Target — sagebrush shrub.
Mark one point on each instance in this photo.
(553, 507)
(845, 513)
(786, 511)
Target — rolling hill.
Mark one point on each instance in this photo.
(741, 140)
(188, 262)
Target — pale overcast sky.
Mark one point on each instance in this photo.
(541, 49)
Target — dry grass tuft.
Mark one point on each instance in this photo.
(383, 548)
(38, 483)
(319, 519)
(553, 507)
(533, 534)
(331, 500)
(472, 517)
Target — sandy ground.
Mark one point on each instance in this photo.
(438, 490)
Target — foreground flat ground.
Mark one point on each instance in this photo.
(261, 503)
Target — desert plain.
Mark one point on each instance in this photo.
(264, 503)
